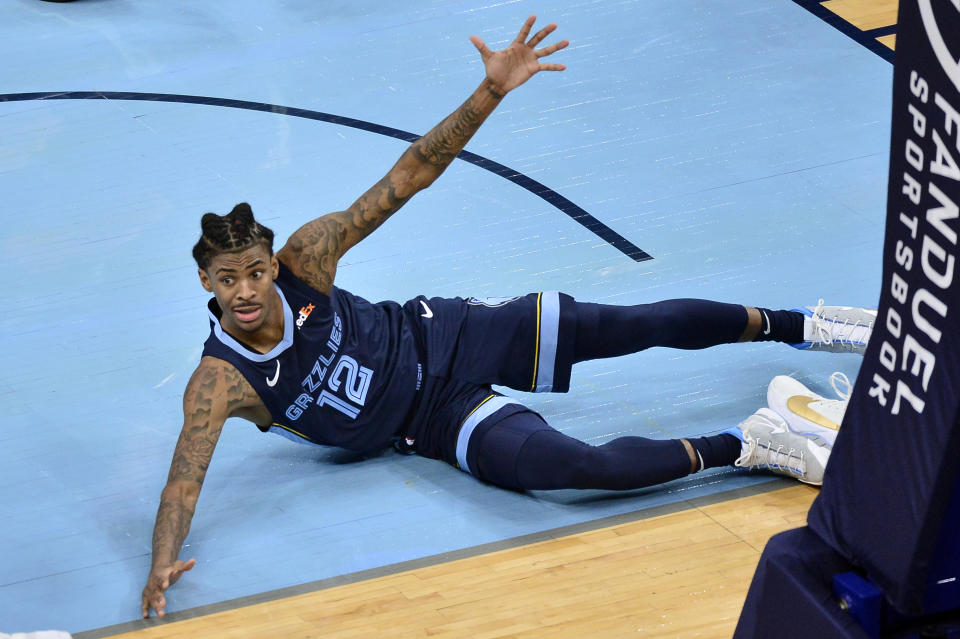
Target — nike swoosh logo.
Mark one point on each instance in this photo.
(428, 314)
(276, 376)
(766, 332)
(800, 404)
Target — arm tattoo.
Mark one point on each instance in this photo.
(173, 523)
(196, 443)
(440, 146)
(212, 394)
(313, 251)
(373, 209)
(317, 246)
(496, 95)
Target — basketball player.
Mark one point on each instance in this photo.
(298, 356)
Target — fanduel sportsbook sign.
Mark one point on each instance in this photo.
(895, 463)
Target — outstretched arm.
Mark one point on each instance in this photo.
(313, 251)
(215, 392)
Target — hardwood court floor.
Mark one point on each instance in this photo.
(868, 15)
(865, 14)
(680, 575)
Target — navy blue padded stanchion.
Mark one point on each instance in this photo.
(894, 468)
(889, 509)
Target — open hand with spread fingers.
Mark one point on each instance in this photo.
(509, 68)
(159, 580)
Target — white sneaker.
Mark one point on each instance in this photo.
(806, 412)
(769, 444)
(838, 329)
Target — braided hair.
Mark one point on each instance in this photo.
(231, 233)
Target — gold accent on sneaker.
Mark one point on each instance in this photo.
(800, 404)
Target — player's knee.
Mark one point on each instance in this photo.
(586, 468)
(549, 460)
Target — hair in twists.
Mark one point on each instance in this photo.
(231, 233)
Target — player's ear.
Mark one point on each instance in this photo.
(205, 280)
(274, 266)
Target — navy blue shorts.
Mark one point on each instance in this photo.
(525, 343)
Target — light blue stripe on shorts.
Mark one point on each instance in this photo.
(487, 408)
(549, 335)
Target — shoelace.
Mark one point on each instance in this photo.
(838, 379)
(773, 465)
(770, 462)
(825, 334)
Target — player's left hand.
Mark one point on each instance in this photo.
(159, 580)
(509, 68)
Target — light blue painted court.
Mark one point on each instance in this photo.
(743, 146)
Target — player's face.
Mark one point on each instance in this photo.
(243, 285)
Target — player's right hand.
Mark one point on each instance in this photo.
(159, 580)
(509, 68)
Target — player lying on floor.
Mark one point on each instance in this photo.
(298, 356)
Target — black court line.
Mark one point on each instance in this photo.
(433, 560)
(865, 38)
(580, 216)
(879, 32)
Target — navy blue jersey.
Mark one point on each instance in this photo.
(345, 373)
(353, 374)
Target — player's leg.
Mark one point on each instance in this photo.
(522, 452)
(517, 449)
(609, 331)
(499, 440)
(530, 343)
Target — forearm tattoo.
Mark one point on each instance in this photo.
(173, 524)
(313, 251)
(203, 421)
(440, 146)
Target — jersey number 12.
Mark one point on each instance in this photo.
(355, 380)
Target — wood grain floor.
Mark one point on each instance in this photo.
(865, 14)
(680, 575)
(868, 15)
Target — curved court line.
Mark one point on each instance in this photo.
(576, 213)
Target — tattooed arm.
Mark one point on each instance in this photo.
(313, 251)
(215, 392)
